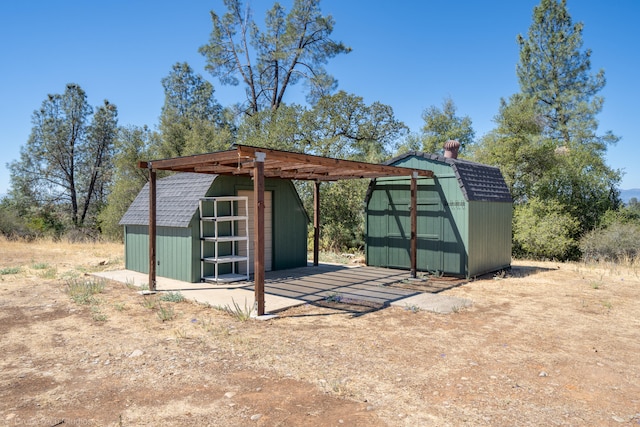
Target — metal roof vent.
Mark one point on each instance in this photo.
(451, 148)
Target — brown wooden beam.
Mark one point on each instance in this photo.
(316, 223)
(152, 229)
(258, 237)
(414, 224)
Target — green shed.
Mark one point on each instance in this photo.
(205, 228)
(463, 217)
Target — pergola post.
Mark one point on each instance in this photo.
(414, 224)
(152, 229)
(258, 237)
(316, 222)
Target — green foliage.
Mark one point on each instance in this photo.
(82, 291)
(171, 297)
(340, 126)
(291, 48)
(9, 270)
(239, 313)
(133, 144)
(546, 143)
(442, 124)
(541, 228)
(165, 313)
(65, 164)
(192, 121)
(618, 240)
(342, 207)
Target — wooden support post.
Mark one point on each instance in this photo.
(258, 237)
(152, 229)
(316, 222)
(414, 224)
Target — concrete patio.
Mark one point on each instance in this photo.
(289, 288)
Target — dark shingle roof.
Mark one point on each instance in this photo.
(478, 182)
(177, 200)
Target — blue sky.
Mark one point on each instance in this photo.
(408, 54)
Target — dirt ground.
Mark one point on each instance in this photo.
(546, 344)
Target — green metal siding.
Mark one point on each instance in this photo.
(454, 236)
(441, 241)
(490, 237)
(174, 252)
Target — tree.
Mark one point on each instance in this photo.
(66, 159)
(341, 126)
(191, 121)
(442, 124)
(518, 147)
(293, 47)
(555, 72)
(132, 144)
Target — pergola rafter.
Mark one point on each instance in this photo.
(260, 163)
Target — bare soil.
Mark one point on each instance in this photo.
(546, 344)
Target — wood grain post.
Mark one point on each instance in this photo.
(258, 237)
(152, 229)
(316, 222)
(414, 224)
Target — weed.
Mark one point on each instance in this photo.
(149, 302)
(40, 266)
(181, 334)
(9, 270)
(412, 308)
(83, 291)
(98, 315)
(238, 312)
(48, 273)
(333, 297)
(455, 309)
(172, 297)
(595, 285)
(607, 305)
(131, 284)
(120, 306)
(165, 313)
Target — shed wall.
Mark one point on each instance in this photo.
(455, 236)
(174, 252)
(489, 236)
(441, 230)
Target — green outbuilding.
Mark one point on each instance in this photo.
(463, 217)
(205, 228)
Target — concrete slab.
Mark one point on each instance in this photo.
(204, 293)
(437, 303)
(290, 288)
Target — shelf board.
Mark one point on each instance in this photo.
(224, 218)
(225, 278)
(225, 239)
(225, 259)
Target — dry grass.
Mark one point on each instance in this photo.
(543, 344)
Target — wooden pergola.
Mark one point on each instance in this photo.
(261, 163)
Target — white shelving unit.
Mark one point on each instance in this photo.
(210, 250)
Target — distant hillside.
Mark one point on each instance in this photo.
(625, 195)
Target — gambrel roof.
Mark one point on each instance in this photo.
(177, 200)
(477, 181)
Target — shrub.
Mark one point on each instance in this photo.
(542, 229)
(619, 241)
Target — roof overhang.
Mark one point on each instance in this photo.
(241, 159)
